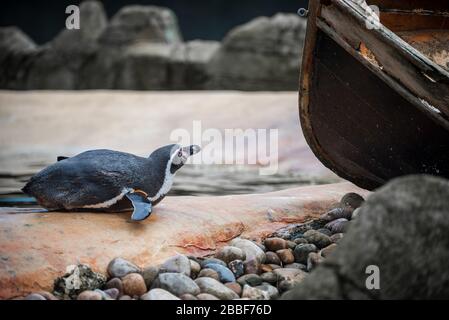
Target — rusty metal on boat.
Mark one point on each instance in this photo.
(374, 89)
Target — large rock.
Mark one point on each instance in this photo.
(263, 54)
(58, 63)
(138, 23)
(403, 230)
(16, 53)
(180, 224)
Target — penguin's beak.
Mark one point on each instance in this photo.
(193, 149)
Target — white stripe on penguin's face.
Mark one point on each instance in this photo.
(168, 177)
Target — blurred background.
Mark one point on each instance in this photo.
(137, 70)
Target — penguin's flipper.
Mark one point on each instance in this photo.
(142, 206)
(60, 158)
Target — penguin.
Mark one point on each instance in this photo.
(110, 181)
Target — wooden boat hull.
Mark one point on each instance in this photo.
(373, 107)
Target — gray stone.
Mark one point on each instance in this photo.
(272, 291)
(296, 265)
(115, 283)
(338, 226)
(237, 267)
(78, 278)
(206, 296)
(225, 275)
(17, 52)
(179, 263)
(302, 251)
(176, 283)
(149, 274)
(119, 267)
(195, 268)
(269, 277)
(313, 260)
(402, 229)
(137, 23)
(254, 293)
(336, 237)
(272, 258)
(212, 260)
(58, 64)
(251, 250)
(158, 294)
(34, 296)
(90, 295)
(215, 288)
(229, 253)
(250, 279)
(262, 54)
(113, 293)
(317, 238)
(209, 273)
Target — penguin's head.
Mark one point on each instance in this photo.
(174, 155)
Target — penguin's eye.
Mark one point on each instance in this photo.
(179, 154)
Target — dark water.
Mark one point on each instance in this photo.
(191, 180)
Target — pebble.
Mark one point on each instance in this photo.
(250, 279)
(209, 273)
(134, 284)
(125, 297)
(302, 251)
(269, 277)
(237, 267)
(252, 266)
(176, 283)
(195, 268)
(229, 253)
(286, 256)
(272, 291)
(35, 296)
(224, 274)
(113, 293)
(115, 283)
(291, 244)
(206, 296)
(234, 286)
(325, 252)
(325, 231)
(89, 295)
(47, 295)
(335, 238)
(118, 268)
(317, 238)
(158, 294)
(338, 226)
(254, 293)
(275, 244)
(337, 213)
(272, 258)
(104, 295)
(212, 260)
(179, 263)
(251, 249)
(290, 274)
(265, 268)
(300, 241)
(296, 265)
(275, 266)
(352, 199)
(313, 260)
(215, 288)
(149, 274)
(188, 296)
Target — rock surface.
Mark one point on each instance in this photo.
(402, 229)
(263, 53)
(215, 288)
(166, 230)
